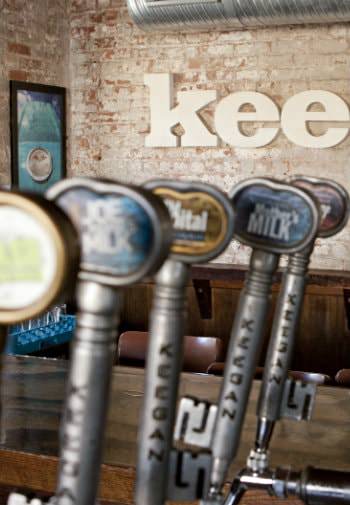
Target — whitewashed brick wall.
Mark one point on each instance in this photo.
(110, 114)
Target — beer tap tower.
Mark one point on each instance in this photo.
(125, 234)
(203, 226)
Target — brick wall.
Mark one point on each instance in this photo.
(110, 115)
(109, 104)
(34, 46)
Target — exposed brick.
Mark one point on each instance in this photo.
(33, 47)
(23, 49)
(109, 103)
(278, 61)
(18, 75)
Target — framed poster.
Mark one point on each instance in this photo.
(38, 135)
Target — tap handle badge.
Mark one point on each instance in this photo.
(333, 201)
(273, 216)
(39, 256)
(202, 218)
(125, 231)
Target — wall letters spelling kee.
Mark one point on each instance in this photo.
(294, 118)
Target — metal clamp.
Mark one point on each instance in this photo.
(189, 475)
(298, 400)
(195, 422)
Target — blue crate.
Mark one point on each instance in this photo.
(43, 337)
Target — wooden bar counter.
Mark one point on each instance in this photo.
(33, 395)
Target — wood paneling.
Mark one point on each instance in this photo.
(323, 341)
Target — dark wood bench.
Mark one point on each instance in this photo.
(323, 341)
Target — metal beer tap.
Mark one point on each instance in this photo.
(313, 486)
(333, 202)
(203, 223)
(334, 205)
(125, 235)
(273, 218)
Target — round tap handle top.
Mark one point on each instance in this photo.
(125, 231)
(333, 201)
(39, 256)
(202, 216)
(273, 216)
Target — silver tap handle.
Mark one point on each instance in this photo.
(164, 361)
(281, 344)
(273, 218)
(203, 226)
(125, 234)
(333, 202)
(81, 438)
(242, 355)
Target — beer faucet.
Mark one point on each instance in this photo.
(334, 205)
(125, 234)
(203, 227)
(313, 486)
(273, 218)
(333, 202)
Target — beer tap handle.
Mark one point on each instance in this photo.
(242, 355)
(333, 203)
(273, 218)
(281, 345)
(88, 387)
(164, 362)
(202, 219)
(125, 234)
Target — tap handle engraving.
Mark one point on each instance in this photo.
(281, 344)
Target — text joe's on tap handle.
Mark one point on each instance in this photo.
(273, 218)
(125, 234)
(202, 218)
